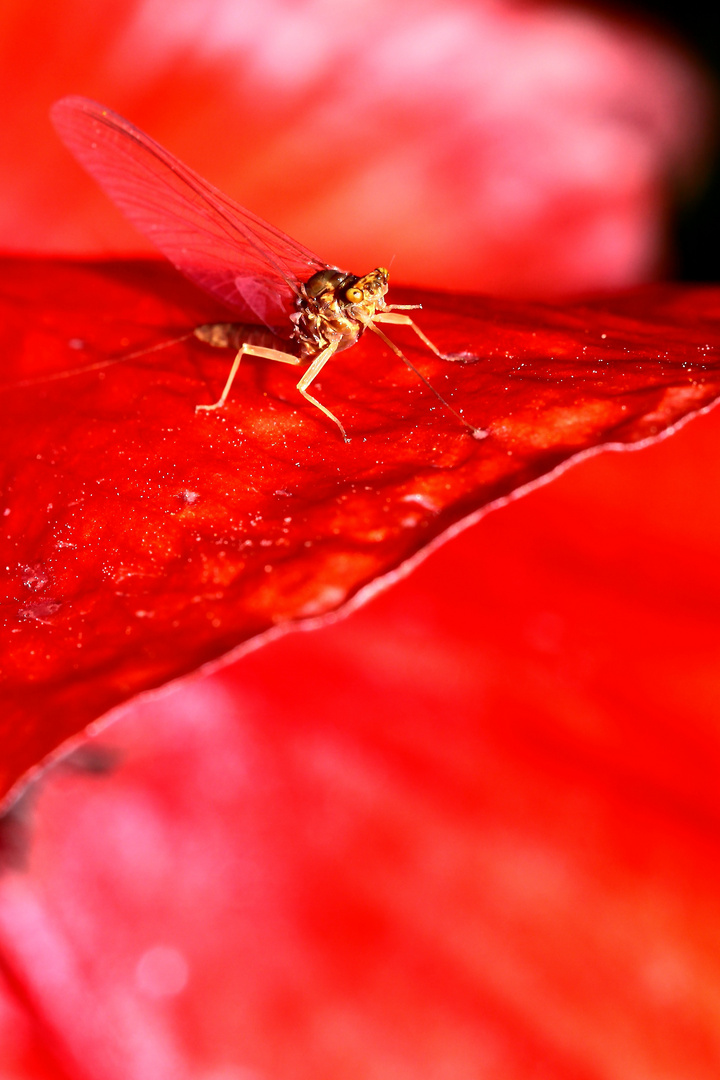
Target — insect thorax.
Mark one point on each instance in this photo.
(337, 307)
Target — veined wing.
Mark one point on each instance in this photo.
(229, 252)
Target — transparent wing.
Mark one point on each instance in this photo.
(231, 253)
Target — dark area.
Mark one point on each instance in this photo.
(695, 232)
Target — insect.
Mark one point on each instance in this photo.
(292, 307)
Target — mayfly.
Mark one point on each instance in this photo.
(292, 307)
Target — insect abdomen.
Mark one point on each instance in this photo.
(233, 335)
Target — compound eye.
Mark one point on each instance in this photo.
(354, 295)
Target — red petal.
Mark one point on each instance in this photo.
(473, 825)
(143, 540)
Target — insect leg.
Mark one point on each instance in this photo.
(248, 350)
(315, 368)
(477, 433)
(405, 320)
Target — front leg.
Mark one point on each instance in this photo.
(477, 433)
(390, 317)
(405, 320)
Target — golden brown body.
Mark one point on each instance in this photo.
(334, 310)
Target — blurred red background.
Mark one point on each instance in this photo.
(481, 146)
(471, 830)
